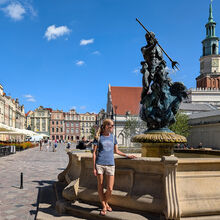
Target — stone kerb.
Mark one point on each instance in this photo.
(175, 188)
(70, 176)
(143, 184)
(198, 181)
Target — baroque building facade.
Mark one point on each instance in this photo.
(87, 122)
(12, 114)
(72, 125)
(40, 120)
(57, 129)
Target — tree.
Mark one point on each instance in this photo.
(130, 128)
(92, 132)
(134, 126)
(181, 125)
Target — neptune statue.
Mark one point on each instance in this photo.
(160, 98)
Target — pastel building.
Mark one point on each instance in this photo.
(72, 125)
(57, 127)
(87, 122)
(12, 114)
(40, 120)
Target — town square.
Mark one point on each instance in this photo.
(109, 110)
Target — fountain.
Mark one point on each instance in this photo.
(157, 182)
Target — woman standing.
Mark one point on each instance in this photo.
(103, 161)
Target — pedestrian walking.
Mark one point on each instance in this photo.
(55, 146)
(103, 162)
(68, 145)
(40, 145)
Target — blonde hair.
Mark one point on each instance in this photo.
(101, 130)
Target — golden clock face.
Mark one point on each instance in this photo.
(215, 63)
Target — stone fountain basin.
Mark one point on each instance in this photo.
(173, 187)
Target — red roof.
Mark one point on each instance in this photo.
(126, 99)
(27, 113)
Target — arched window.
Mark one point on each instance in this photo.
(203, 49)
(120, 139)
(214, 49)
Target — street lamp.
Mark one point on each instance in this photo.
(115, 119)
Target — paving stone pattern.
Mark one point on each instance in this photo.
(40, 169)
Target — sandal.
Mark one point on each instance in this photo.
(103, 212)
(109, 209)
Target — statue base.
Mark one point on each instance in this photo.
(158, 143)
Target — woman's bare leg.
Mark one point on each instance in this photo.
(108, 193)
(100, 190)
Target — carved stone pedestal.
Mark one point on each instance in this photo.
(158, 143)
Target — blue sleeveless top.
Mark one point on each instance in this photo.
(105, 150)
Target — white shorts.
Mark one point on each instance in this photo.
(105, 169)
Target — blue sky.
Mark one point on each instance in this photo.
(64, 53)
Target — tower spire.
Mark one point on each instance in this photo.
(210, 12)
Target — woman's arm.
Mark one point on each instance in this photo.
(122, 154)
(94, 160)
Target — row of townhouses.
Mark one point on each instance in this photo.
(12, 114)
(59, 125)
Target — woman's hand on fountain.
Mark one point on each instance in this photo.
(131, 156)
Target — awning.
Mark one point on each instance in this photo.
(5, 129)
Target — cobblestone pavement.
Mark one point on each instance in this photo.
(40, 168)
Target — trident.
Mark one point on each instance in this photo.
(174, 63)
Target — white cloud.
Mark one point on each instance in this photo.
(29, 98)
(27, 5)
(170, 70)
(53, 32)
(85, 42)
(80, 62)
(96, 52)
(136, 71)
(82, 107)
(3, 2)
(15, 11)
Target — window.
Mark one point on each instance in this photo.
(72, 131)
(67, 130)
(87, 130)
(57, 122)
(61, 122)
(82, 118)
(77, 130)
(57, 129)
(77, 125)
(52, 122)
(61, 129)
(72, 124)
(52, 129)
(67, 124)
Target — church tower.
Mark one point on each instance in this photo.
(209, 77)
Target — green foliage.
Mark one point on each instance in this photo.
(181, 125)
(131, 127)
(92, 132)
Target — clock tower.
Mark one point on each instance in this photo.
(209, 77)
